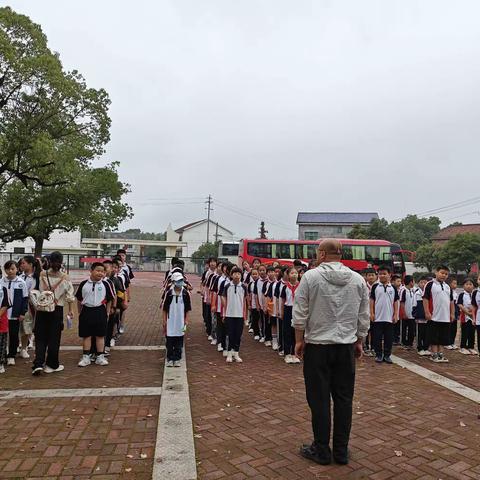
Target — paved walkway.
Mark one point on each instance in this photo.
(248, 419)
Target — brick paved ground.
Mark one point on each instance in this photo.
(82, 438)
(250, 419)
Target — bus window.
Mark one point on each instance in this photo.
(283, 250)
(262, 250)
(377, 254)
(230, 249)
(309, 251)
(353, 252)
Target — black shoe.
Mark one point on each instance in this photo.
(320, 455)
(388, 359)
(341, 457)
(379, 358)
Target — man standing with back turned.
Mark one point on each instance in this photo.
(331, 318)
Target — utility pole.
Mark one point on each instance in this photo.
(209, 209)
(262, 231)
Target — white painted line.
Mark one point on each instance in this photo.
(445, 382)
(81, 392)
(175, 447)
(132, 348)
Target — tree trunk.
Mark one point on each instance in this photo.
(38, 246)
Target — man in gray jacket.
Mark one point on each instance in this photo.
(331, 318)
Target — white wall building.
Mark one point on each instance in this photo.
(65, 242)
(195, 235)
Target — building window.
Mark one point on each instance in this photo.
(311, 235)
(339, 230)
(18, 249)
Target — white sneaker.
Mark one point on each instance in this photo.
(170, 363)
(473, 351)
(209, 338)
(225, 353)
(101, 360)
(288, 359)
(268, 343)
(48, 369)
(85, 361)
(455, 347)
(464, 351)
(219, 347)
(229, 357)
(256, 337)
(24, 353)
(37, 371)
(2, 368)
(112, 342)
(10, 361)
(176, 363)
(262, 340)
(295, 359)
(237, 358)
(121, 329)
(214, 342)
(250, 330)
(280, 353)
(274, 345)
(449, 347)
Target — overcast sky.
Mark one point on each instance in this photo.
(275, 107)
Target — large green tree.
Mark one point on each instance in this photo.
(52, 127)
(461, 251)
(428, 256)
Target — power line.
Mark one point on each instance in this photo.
(452, 206)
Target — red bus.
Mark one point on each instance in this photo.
(356, 254)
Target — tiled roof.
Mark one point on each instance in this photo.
(449, 232)
(335, 217)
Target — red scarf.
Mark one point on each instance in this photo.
(292, 288)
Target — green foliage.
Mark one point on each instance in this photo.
(411, 232)
(206, 250)
(52, 126)
(428, 256)
(461, 251)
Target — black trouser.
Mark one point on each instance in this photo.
(208, 318)
(396, 332)
(112, 321)
(280, 333)
(422, 343)
(268, 327)
(255, 316)
(48, 333)
(478, 336)
(329, 371)
(368, 339)
(261, 314)
(453, 332)
(382, 331)
(234, 331)
(468, 335)
(408, 331)
(13, 341)
(288, 331)
(220, 333)
(174, 348)
(214, 318)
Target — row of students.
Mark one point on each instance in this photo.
(20, 324)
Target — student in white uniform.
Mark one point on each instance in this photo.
(234, 298)
(94, 302)
(175, 319)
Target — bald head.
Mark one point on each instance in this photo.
(329, 250)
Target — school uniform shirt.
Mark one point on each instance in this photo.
(176, 304)
(17, 291)
(258, 292)
(265, 292)
(476, 305)
(235, 296)
(32, 281)
(407, 297)
(439, 296)
(246, 277)
(277, 299)
(93, 294)
(271, 296)
(253, 297)
(222, 281)
(128, 271)
(465, 299)
(384, 297)
(288, 293)
(206, 293)
(418, 310)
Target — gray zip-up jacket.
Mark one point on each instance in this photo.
(332, 305)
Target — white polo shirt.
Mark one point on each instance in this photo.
(235, 295)
(384, 297)
(439, 296)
